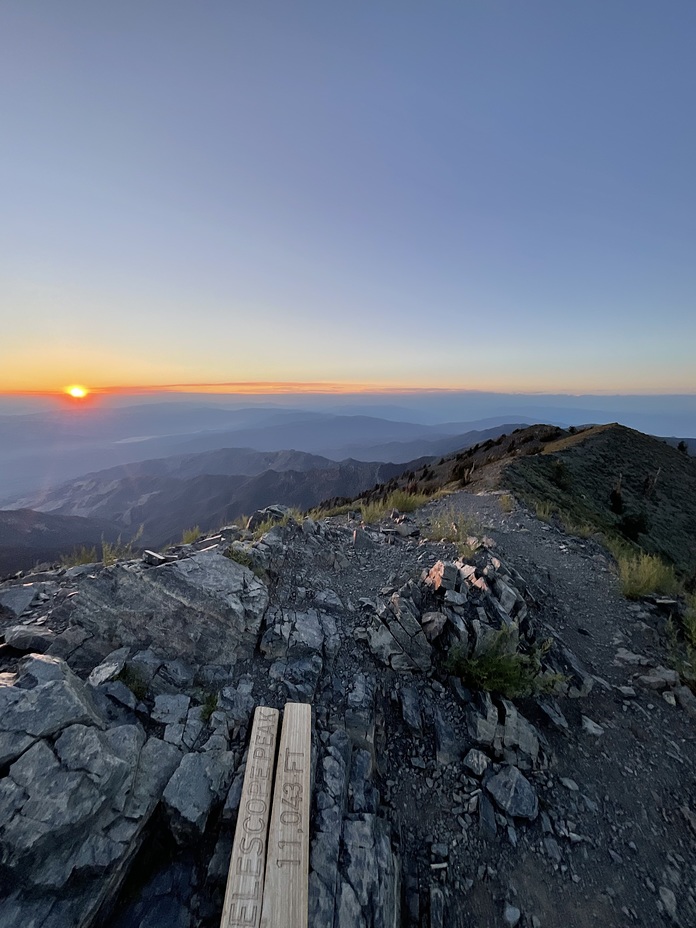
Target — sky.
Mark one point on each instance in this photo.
(476, 194)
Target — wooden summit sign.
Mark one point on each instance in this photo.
(281, 899)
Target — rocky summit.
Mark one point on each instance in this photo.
(127, 691)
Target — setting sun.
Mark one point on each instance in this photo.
(77, 392)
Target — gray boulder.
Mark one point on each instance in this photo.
(196, 608)
(513, 793)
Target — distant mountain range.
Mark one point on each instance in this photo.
(42, 450)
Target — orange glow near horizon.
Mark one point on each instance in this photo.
(80, 393)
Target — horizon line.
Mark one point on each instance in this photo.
(326, 388)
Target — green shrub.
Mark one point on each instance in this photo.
(134, 680)
(210, 704)
(544, 511)
(241, 556)
(499, 670)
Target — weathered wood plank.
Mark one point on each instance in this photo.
(245, 880)
(285, 896)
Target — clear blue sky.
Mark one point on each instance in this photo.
(493, 195)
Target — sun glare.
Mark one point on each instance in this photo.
(77, 392)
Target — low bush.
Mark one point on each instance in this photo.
(134, 680)
(210, 704)
(500, 670)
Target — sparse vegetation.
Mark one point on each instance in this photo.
(134, 680)
(375, 510)
(544, 511)
(641, 574)
(242, 556)
(190, 535)
(507, 503)
(293, 515)
(450, 525)
(503, 670)
(81, 555)
(118, 550)
(210, 704)
(580, 530)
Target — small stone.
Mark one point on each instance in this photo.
(570, 784)
(669, 901)
(592, 728)
(477, 762)
(514, 793)
(511, 915)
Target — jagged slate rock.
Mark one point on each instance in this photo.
(17, 599)
(382, 643)
(432, 624)
(108, 758)
(332, 640)
(329, 600)
(437, 907)
(486, 817)
(171, 709)
(40, 838)
(505, 594)
(580, 682)
(591, 727)
(173, 676)
(198, 781)
(482, 719)
(299, 677)
(485, 637)
(13, 744)
(29, 638)
(238, 702)
(686, 700)
(321, 903)
(234, 795)
(31, 912)
(307, 635)
(443, 576)
(110, 667)
(120, 693)
(411, 709)
(198, 608)
(362, 795)
(453, 598)
(156, 764)
(477, 762)
(372, 872)
(348, 910)
(417, 648)
(553, 712)
(362, 542)
(513, 793)
(518, 734)
(658, 679)
(448, 747)
(360, 713)
(145, 664)
(274, 513)
(46, 709)
(40, 668)
(461, 631)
